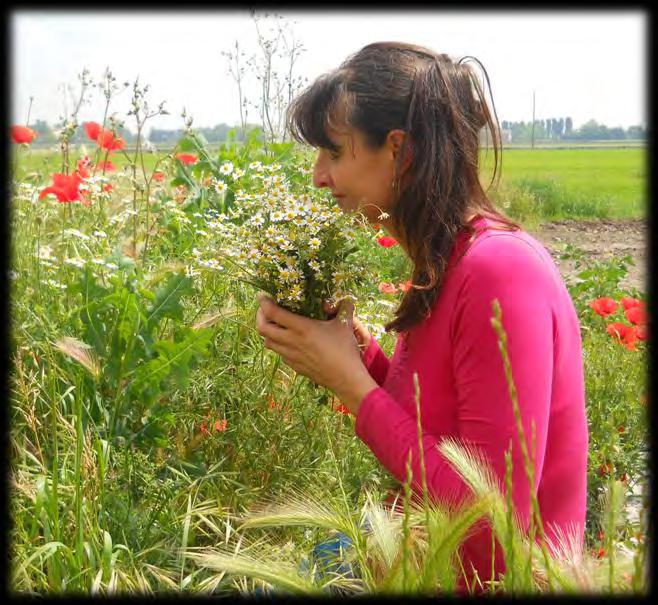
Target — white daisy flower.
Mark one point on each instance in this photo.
(112, 266)
(277, 216)
(75, 262)
(220, 187)
(315, 243)
(76, 233)
(295, 293)
(100, 234)
(55, 284)
(226, 168)
(45, 252)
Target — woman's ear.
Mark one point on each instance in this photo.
(395, 141)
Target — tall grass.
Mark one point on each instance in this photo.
(415, 551)
(114, 488)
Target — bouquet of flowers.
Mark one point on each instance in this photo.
(291, 241)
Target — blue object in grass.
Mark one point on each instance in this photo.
(329, 556)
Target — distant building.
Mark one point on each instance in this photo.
(485, 136)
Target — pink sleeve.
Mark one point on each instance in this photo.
(376, 361)
(524, 286)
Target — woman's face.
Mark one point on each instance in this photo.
(359, 178)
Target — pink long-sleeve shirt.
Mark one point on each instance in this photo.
(464, 392)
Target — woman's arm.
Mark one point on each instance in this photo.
(485, 414)
(375, 361)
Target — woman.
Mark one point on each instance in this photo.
(397, 128)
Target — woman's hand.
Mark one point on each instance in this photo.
(361, 334)
(324, 351)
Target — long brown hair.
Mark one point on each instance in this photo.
(440, 105)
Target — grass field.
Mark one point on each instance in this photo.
(149, 424)
(618, 175)
(588, 182)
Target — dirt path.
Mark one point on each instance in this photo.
(601, 239)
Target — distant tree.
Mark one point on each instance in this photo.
(46, 134)
(635, 132)
(568, 126)
(616, 133)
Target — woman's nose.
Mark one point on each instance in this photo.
(320, 174)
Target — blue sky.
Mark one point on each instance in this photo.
(587, 65)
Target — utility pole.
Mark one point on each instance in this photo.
(532, 140)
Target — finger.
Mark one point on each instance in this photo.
(287, 355)
(329, 307)
(346, 312)
(269, 329)
(279, 315)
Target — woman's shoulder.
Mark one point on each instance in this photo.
(495, 246)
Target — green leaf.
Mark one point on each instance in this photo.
(167, 300)
(187, 144)
(172, 363)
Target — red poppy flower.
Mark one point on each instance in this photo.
(221, 425)
(626, 335)
(605, 469)
(601, 553)
(604, 306)
(66, 188)
(620, 429)
(404, 286)
(108, 187)
(341, 409)
(641, 332)
(387, 288)
(107, 166)
(86, 196)
(107, 140)
(93, 129)
(187, 158)
(83, 167)
(158, 176)
(636, 315)
(204, 430)
(23, 134)
(386, 241)
(629, 302)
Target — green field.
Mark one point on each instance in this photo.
(150, 424)
(579, 182)
(618, 175)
